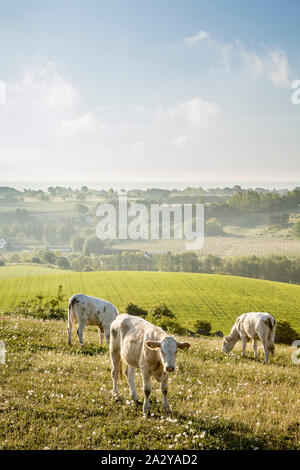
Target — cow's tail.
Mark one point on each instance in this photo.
(271, 322)
(71, 311)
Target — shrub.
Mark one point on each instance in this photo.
(2, 263)
(285, 333)
(133, 309)
(40, 307)
(161, 311)
(203, 325)
(163, 317)
(170, 326)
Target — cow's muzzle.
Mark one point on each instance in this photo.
(170, 369)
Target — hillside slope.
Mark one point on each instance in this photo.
(191, 296)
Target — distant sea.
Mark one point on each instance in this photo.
(128, 185)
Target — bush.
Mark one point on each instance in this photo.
(2, 263)
(285, 333)
(170, 326)
(203, 325)
(40, 307)
(163, 317)
(36, 259)
(161, 311)
(133, 309)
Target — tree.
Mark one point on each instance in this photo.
(48, 257)
(63, 262)
(93, 245)
(81, 208)
(296, 230)
(77, 243)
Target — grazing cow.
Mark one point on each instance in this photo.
(141, 345)
(87, 310)
(254, 325)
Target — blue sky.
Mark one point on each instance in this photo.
(149, 90)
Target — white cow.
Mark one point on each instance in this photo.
(141, 345)
(254, 325)
(88, 310)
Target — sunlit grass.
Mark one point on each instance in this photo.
(57, 397)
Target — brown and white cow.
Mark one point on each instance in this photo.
(141, 345)
(88, 310)
(253, 325)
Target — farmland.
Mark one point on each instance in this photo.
(17, 270)
(216, 298)
(222, 246)
(56, 397)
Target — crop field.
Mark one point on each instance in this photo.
(216, 298)
(56, 397)
(222, 246)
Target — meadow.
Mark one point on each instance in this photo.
(56, 397)
(216, 298)
(53, 396)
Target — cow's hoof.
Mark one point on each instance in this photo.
(166, 410)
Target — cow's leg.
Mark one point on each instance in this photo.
(101, 335)
(130, 372)
(81, 325)
(107, 335)
(115, 369)
(264, 340)
(255, 348)
(244, 344)
(70, 325)
(147, 390)
(164, 391)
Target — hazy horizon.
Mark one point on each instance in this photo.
(129, 185)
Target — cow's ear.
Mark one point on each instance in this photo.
(183, 345)
(152, 344)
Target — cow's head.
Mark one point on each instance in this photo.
(226, 346)
(168, 349)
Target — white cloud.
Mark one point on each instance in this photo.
(273, 66)
(138, 147)
(179, 141)
(192, 40)
(44, 86)
(87, 123)
(197, 112)
(2, 92)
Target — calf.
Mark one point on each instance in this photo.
(87, 310)
(254, 325)
(141, 345)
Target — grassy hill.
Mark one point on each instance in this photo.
(190, 296)
(56, 397)
(32, 269)
(53, 396)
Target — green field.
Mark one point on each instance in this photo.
(17, 270)
(190, 296)
(56, 397)
(53, 396)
